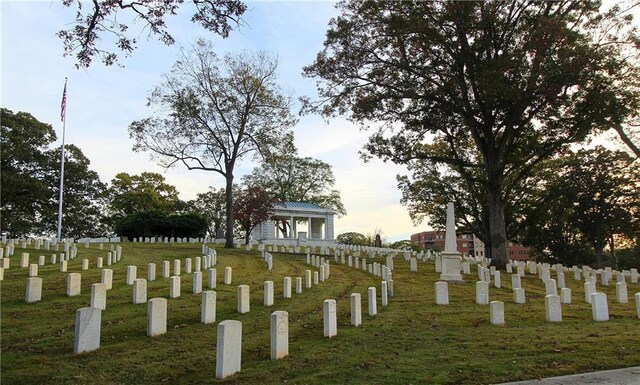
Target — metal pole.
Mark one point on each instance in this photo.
(64, 124)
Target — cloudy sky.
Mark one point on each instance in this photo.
(102, 101)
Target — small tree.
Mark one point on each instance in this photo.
(251, 207)
(146, 192)
(213, 112)
(212, 206)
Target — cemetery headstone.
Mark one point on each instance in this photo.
(87, 330)
(279, 334)
(356, 309)
(157, 316)
(330, 318)
(228, 348)
(208, 308)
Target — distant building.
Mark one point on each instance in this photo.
(468, 244)
(295, 223)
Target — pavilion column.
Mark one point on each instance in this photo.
(309, 229)
(294, 233)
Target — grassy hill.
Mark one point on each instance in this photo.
(411, 341)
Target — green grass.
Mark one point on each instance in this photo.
(411, 341)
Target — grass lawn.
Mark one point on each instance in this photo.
(411, 341)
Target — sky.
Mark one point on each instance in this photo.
(102, 101)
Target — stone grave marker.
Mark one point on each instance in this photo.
(496, 313)
(599, 307)
(621, 292)
(589, 288)
(228, 348)
(243, 299)
(356, 309)
(442, 293)
(151, 272)
(208, 308)
(166, 269)
(519, 295)
(286, 291)
(174, 286)
(372, 301)
(157, 316)
(34, 290)
(279, 334)
(197, 282)
(107, 278)
(176, 267)
(330, 318)
(132, 272)
(227, 275)
(87, 330)
(73, 284)
(565, 295)
(553, 308)
(212, 278)
(268, 293)
(298, 285)
(99, 296)
(482, 293)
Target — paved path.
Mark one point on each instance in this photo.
(626, 376)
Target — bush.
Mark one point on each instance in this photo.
(153, 223)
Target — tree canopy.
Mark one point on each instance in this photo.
(30, 176)
(211, 205)
(132, 194)
(211, 113)
(251, 207)
(110, 21)
(520, 80)
(290, 178)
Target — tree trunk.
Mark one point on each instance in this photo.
(598, 249)
(229, 211)
(498, 232)
(612, 248)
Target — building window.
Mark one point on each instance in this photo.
(464, 244)
(510, 252)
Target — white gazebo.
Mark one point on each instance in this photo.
(295, 223)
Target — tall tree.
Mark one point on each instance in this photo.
(291, 178)
(106, 20)
(24, 196)
(30, 173)
(131, 194)
(212, 206)
(252, 206)
(85, 196)
(520, 79)
(213, 112)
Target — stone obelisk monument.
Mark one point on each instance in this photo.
(450, 256)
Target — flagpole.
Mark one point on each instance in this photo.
(63, 116)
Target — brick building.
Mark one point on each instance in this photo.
(468, 244)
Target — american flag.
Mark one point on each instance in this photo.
(63, 105)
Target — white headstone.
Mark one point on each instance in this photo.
(372, 301)
(496, 279)
(63, 266)
(166, 269)
(496, 312)
(482, 293)
(356, 309)
(139, 291)
(73, 284)
(518, 295)
(307, 275)
(34, 290)
(286, 292)
(442, 293)
(24, 260)
(187, 266)
(384, 294)
(550, 286)
(243, 299)
(212, 278)
(157, 316)
(279, 334)
(329, 312)
(637, 297)
(208, 308)
(621, 292)
(268, 293)
(107, 278)
(515, 281)
(174, 286)
(151, 272)
(176, 267)
(33, 270)
(599, 307)
(553, 308)
(227, 275)
(99, 296)
(87, 330)
(197, 282)
(589, 288)
(132, 273)
(565, 295)
(228, 348)
(298, 285)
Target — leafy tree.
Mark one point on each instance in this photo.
(589, 198)
(155, 223)
(251, 207)
(91, 25)
(353, 238)
(213, 112)
(405, 245)
(146, 192)
(212, 206)
(521, 80)
(30, 176)
(290, 178)
(25, 196)
(84, 198)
